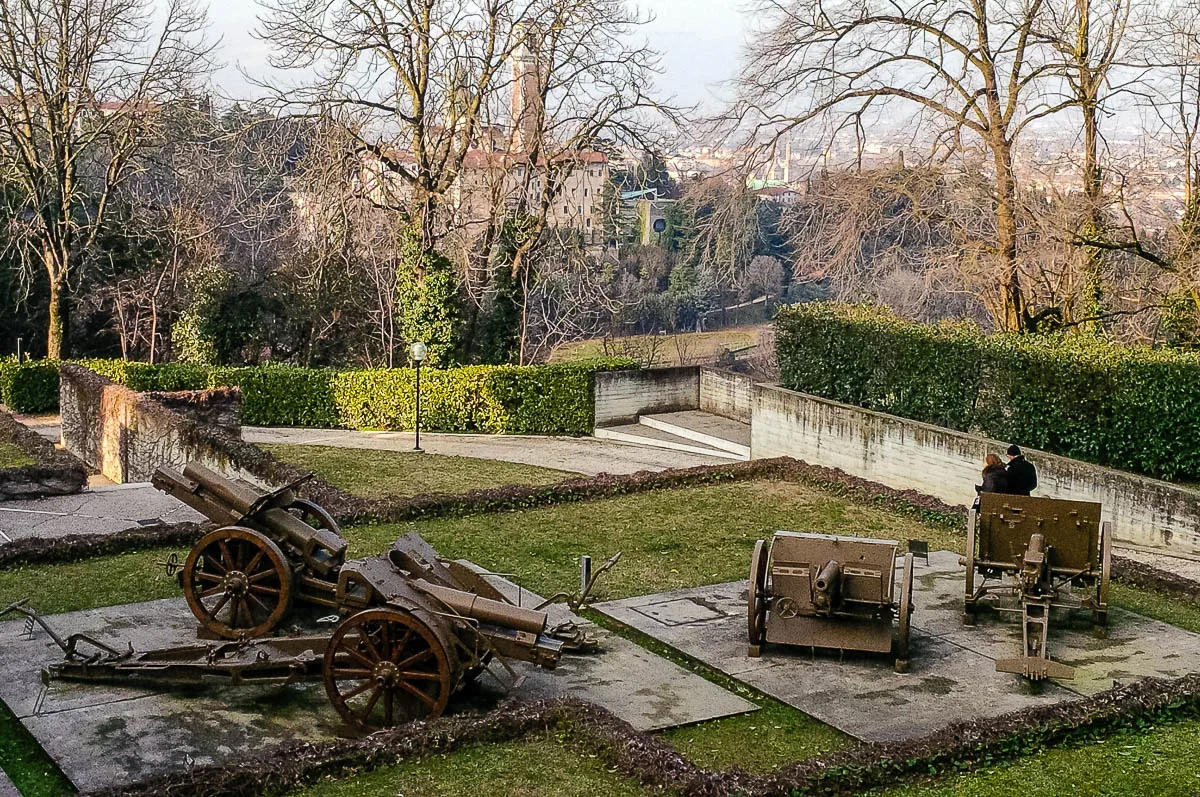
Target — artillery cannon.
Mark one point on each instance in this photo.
(418, 626)
(826, 591)
(1038, 549)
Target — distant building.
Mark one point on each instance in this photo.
(509, 168)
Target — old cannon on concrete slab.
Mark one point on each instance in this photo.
(826, 591)
(1049, 554)
(416, 627)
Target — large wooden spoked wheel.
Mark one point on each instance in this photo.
(237, 583)
(969, 592)
(1100, 613)
(314, 515)
(756, 597)
(384, 667)
(906, 605)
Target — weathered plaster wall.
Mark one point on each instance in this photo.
(621, 396)
(944, 463)
(726, 393)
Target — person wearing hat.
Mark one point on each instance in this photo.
(1022, 475)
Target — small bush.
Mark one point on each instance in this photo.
(30, 386)
(1128, 407)
(281, 395)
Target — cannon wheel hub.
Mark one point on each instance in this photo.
(237, 583)
(384, 666)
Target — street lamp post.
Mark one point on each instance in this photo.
(418, 351)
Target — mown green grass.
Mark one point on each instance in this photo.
(1159, 762)
(30, 768)
(540, 767)
(374, 474)
(13, 457)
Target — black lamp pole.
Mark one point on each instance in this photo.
(417, 444)
(418, 351)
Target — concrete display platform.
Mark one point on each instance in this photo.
(104, 735)
(7, 789)
(952, 667)
(104, 509)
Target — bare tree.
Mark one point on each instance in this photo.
(971, 67)
(411, 80)
(81, 82)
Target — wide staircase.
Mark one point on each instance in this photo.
(691, 430)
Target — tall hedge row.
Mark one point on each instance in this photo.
(506, 399)
(1127, 407)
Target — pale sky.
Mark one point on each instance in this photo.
(699, 41)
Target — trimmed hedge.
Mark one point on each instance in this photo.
(1133, 408)
(496, 399)
(30, 386)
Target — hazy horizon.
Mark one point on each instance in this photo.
(699, 41)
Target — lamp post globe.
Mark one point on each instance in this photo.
(419, 352)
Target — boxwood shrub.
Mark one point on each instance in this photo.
(538, 399)
(29, 386)
(1129, 407)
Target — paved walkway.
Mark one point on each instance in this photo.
(101, 509)
(585, 455)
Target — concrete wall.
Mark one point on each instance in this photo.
(908, 455)
(726, 393)
(623, 395)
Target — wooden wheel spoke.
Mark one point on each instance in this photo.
(365, 636)
(255, 598)
(359, 656)
(226, 557)
(413, 659)
(407, 687)
(213, 561)
(208, 593)
(210, 577)
(252, 565)
(388, 708)
(398, 648)
(343, 672)
(358, 690)
(220, 605)
(420, 675)
(366, 712)
(263, 576)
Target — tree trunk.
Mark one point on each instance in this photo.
(56, 341)
(1092, 288)
(1006, 240)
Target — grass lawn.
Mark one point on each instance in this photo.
(13, 457)
(1157, 762)
(375, 474)
(541, 767)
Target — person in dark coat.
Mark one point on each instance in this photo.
(995, 478)
(1020, 472)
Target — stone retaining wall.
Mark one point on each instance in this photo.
(126, 435)
(945, 463)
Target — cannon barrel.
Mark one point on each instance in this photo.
(231, 503)
(486, 610)
(826, 585)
